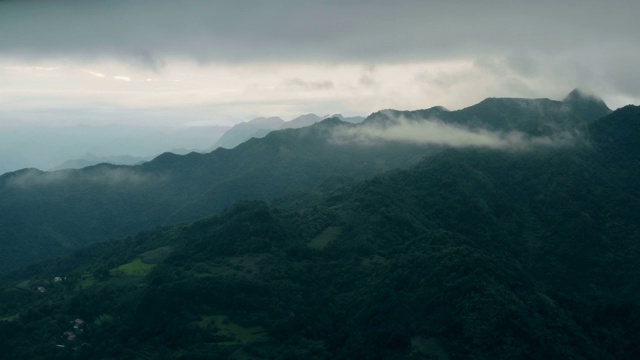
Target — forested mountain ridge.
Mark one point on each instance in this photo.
(617, 135)
(530, 116)
(49, 213)
(470, 253)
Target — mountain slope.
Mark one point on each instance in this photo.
(617, 134)
(301, 121)
(90, 160)
(49, 213)
(535, 117)
(256, 128)
(349, 119)
(470, 253)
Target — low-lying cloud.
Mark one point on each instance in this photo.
(438, 133)
(99, 176)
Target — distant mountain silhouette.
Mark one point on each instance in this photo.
(349, 119)
(47, 147)
(301, 121)
(258, 128)
(90, 160)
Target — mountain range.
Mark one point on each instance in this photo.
(230, 138)
(49, 147)
(71, 208)
(260, 127)
(50, 213)
(90, 160)
(436, 251)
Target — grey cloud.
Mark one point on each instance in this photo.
(623, 70)
(147, 59)
(436, 132)
(523, 63)
(367, 81)
(442, 80)
(611, 70)
(305, 30)
(561, 44)
(308, 85)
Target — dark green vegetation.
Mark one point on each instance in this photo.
(44, 214)
(468, 254)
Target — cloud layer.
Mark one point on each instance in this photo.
(438, 133)
(150, 30)
(107, 176)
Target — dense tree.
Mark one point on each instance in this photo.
(469, 254)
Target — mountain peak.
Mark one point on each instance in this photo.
(273, 121)
(587, 103)
(349, 119)
(583, 95)
(331, 121)
(301, 121)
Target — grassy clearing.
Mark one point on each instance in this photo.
(10, 318)
(156, 256)
(25, 285)
(135, 268)
(103, 319)
(87, 281)
(233, 333)
(325, 237)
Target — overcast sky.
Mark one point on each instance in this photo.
(196, 62)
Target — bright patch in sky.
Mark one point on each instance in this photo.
(185, 92)
(95, 73)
